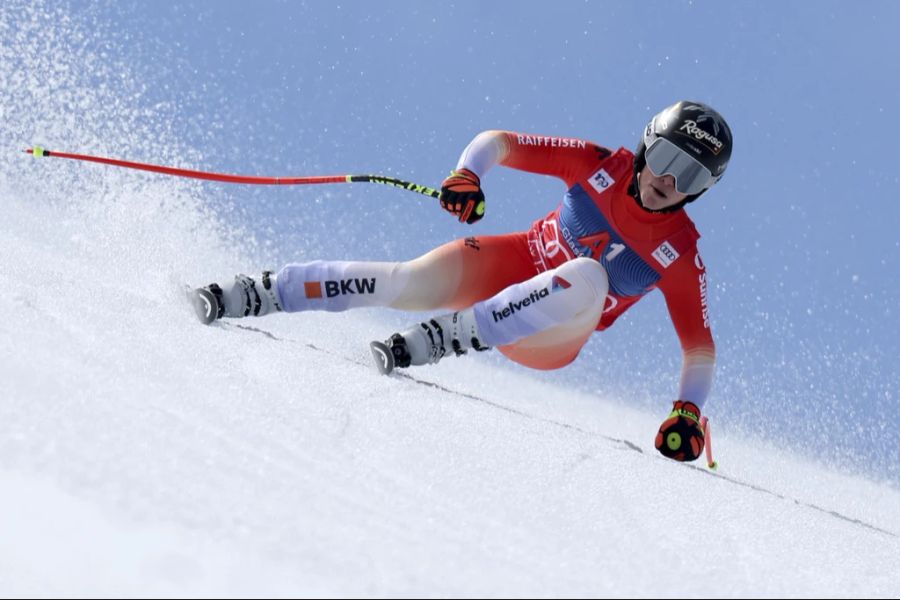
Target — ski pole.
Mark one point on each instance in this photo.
(38, 151)
(707, 433)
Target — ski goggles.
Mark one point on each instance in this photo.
(665, 158)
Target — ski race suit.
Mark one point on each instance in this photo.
(538, 295)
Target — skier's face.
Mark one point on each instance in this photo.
(658, 193)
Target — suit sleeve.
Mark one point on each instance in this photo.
(685, 290)
(566, 158)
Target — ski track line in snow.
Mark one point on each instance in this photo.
(622, 442)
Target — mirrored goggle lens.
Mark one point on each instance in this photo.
(665, 158)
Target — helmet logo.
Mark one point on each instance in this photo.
(704, 116)
(692, 129)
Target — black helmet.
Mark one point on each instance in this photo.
(690, 141)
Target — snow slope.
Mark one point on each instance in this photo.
(142, 454)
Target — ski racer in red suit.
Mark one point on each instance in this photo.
(620, 232)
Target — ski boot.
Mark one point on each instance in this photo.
(242, 298)
(428, 342)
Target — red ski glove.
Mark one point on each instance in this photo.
(680, 436)
(461, 196)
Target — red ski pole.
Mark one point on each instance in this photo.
(38, 151)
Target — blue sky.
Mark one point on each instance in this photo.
(800, 237)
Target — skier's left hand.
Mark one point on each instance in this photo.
(680, 436)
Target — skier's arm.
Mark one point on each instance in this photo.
(681, 435)
(566, 158)
(686, 295)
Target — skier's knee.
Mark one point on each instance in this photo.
(588, 273)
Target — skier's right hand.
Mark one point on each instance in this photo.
(461, 196)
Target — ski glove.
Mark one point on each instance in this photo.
(680, 436)
(461, 195)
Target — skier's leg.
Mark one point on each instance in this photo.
(454, 275)
(542, 322)
(552, 334)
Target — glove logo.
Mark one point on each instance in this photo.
(673, 441)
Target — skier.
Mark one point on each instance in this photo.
(537, 295)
